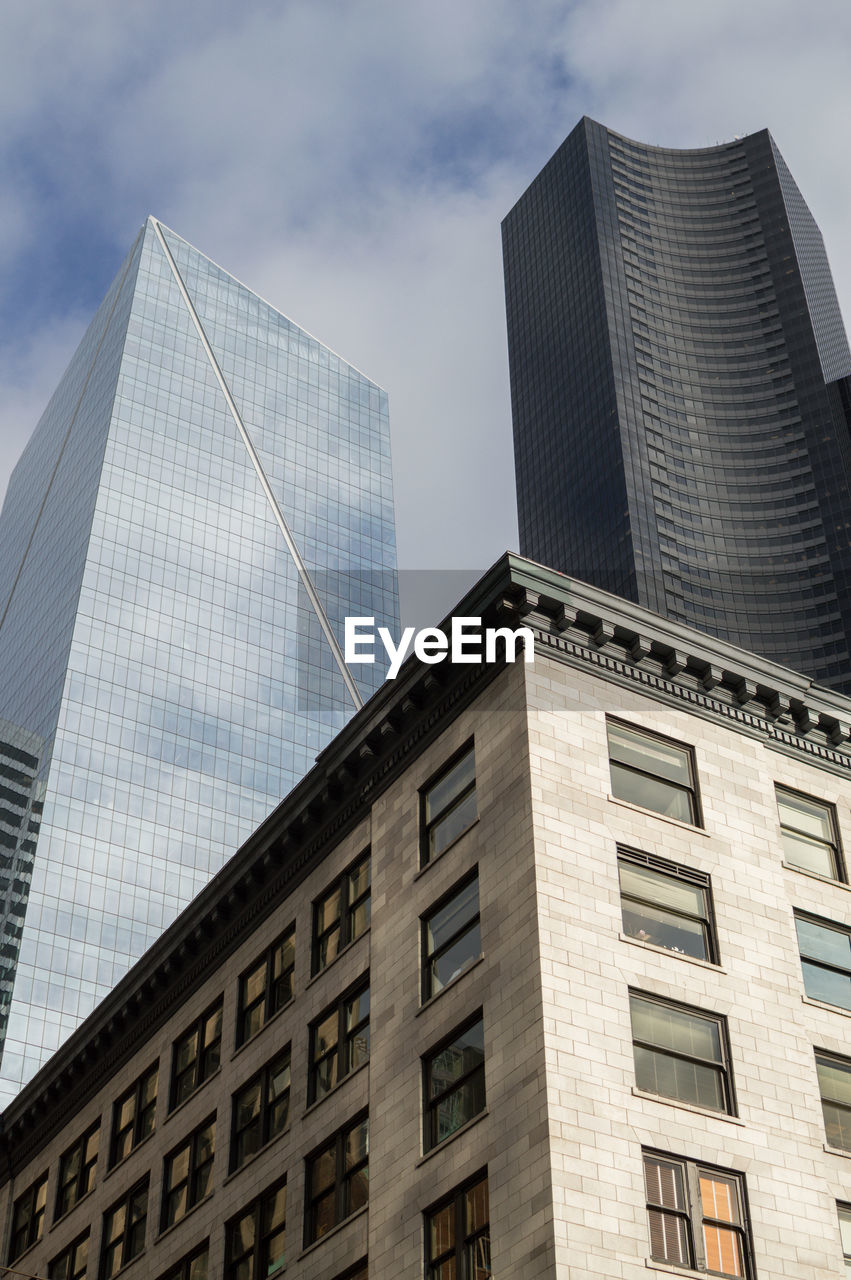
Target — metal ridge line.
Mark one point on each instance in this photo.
(301, 567)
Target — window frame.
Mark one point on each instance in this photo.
(843, 1212)
(685, 875)
(196, 1189)
(262, 1078)
(432, 1104)
(722, 1069)
(830, 926)
(134, 1093)
(345, 923)
(346, 1038)
(429, 958)
(829, 1059)
(32, 1225)
(70, 1191)
(69, 1257)
(344, 1179)
(429, 824)
(692, 1214)
(691, 791)
(462, 1237)
(126, 1237)
(207, 1059)
(834, 846)
(258, 1253)
(269, 1000)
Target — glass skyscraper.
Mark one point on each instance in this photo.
(681, 393)
(206, 497)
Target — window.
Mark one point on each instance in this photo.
(342, 914)
(448, 805)
(339, 1042)
(187, 1173)
(196, 1055)
(266, 987)
(844, 1212)
(357, 1272)
(652, 772)
(134, 1115)
(260, 1110)
(825, 961)
(680, 1053)
(667, 905)
(834, 1078)
(696, 1216)
(28, 1218)
(195, 1266)
(71, 1264)
(452, 937)
(809, 832)
(458, 1235)
(255, 1240)
(77, 1170)
(337, 1180)
(454, 1081)
(124, 1231)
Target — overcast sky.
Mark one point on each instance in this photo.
(351, 160)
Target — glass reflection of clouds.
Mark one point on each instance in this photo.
(159, 644)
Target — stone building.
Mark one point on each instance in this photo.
(542, 971)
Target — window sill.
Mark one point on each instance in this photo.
(234, 1173)
(314, 1244)
(453, 982)
(837, 1151)
(147, 1138)
(432, 862)
(671, 1270)
(180, 1221)
(185, 1103)
(279, 1013)
(669, 951)
(814, 875)
(350, 1075)
(122, 1270)
(330, 965)
(688, 1106)
(823, 1004)
(66, 1215)
(441, 1146)
(663, 817)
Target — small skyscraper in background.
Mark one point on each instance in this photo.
(681, 393)
(206, 497)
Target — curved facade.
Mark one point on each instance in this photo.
(680, 390)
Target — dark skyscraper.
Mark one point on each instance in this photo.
(681, 392)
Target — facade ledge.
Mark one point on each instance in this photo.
(344, 952)
(453, 982)
(315, 1244)
(441, 1146)
(166, 1231)
(432, 862)
(279, 1013)
(829, 1008)
(688, 1106)
(121, 1163)
(185, 1103)
(662, 817)
(667, 951)
(814, 875)
(350, 1075)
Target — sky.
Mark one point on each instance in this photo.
(351, 161)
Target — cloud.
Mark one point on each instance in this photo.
(351, 162)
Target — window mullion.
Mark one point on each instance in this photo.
(696, 1216)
